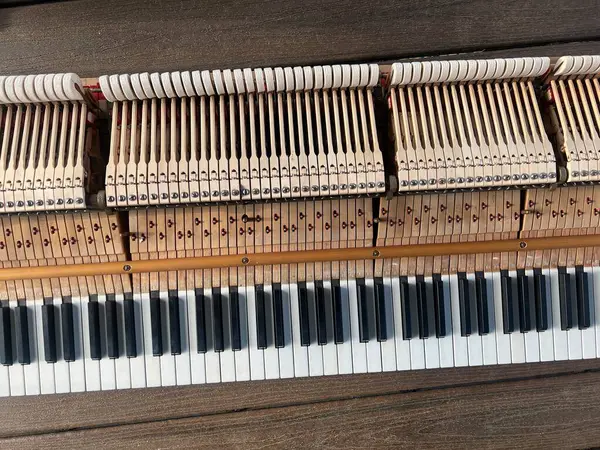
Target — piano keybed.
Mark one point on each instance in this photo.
(262, 162)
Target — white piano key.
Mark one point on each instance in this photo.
(517, 339)
(212, 359)
(62, 379)
(432, 348)
(402, 346)
(461, 351)
(226, 357)
(330, 363)
(315, 352)
(417, 346)
(168, 371)
(503, 350)
(286, 354)
(300, 352)
(32, 370)
(137, 365)
(532, 341)
(574, 334)
(359, 350)
(92, 367)
(546, 337)
(197, 364)
(344, 351)
(15, 371)
(588, 336)
(5, 382)
(182, 361)
(474, 344)
(122, 373)
(152, 363)
(388, 347)
(271, 352)
(373, 346)
(561, 346)
(445, 343)
(595, 282)
(242, 357)
(77, 367)
(257, 364)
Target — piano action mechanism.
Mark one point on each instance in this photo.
(267, 223)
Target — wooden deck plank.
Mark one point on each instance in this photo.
(551, 412)
(45, 414)
(92, 38)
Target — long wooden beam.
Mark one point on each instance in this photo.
(259, 259)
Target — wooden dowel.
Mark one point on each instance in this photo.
(257, 259)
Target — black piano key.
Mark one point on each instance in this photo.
(338, 320)
(156, 324)
(94, 328)
(22, 334)
(129, 319)
(68, 333)
(422, 312)
(508, 318)
(583, 298)
(439, 306)
(49, 331)
(278, 321)
(217, 320)
(261, 317)
(112, 327)
(174, 323)
(363, 310)
(564, 293)
(321, 313)
(541, 300)
(6, 353)
(234, 319)
(304, 315)
(483, 316)
(464, 300)
(380, 319)
(405, 309)
(200, 321)
(523, 296)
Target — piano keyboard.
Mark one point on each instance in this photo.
(244, 165)
(298, 330)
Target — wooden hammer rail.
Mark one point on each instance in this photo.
(295, 257)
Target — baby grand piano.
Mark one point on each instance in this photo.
(229, 223)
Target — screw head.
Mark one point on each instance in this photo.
(245, 260)
(126, 267)
(522, 244)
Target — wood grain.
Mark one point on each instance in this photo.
(58, 413)
(92, 38)
(557, 412)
